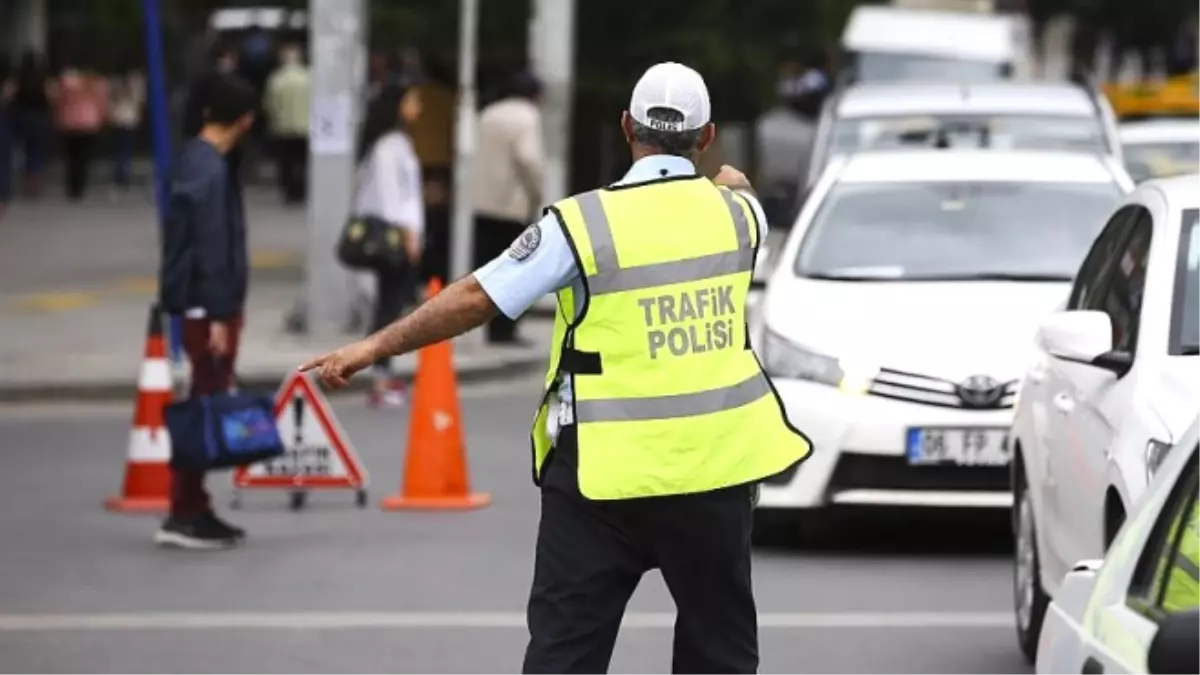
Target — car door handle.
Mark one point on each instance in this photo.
(1063, 402)
(1092, 666)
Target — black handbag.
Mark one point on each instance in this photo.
(372, 244)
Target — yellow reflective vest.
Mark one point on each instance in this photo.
(1182, 592)
(669, 398)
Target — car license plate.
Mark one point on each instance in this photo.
(963, 446)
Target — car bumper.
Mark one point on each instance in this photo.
(1060, 645)
(858, 455)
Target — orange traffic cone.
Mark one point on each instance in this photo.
(147, 467)
(435, 468)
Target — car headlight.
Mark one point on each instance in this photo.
(1156, 451)
(786, 359)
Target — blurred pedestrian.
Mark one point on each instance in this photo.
(509, 164)
(433, 139)
(785, 135)
(380, 74)
(224, 64)
(657, 421)
(81, 109)
(7, 89)
(204, 277)
(127, 105)
(389, 189)
(286, 103)
(32, 119)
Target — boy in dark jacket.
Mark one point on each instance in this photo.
(204, 278)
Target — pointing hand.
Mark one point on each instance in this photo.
(731, 178)
(336, 367)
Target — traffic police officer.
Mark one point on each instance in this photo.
(657, 420)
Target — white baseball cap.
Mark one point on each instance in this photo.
(676, 87)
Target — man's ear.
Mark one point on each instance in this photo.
(708, 134)
(627, 126)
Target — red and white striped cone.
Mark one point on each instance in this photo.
(147, 485)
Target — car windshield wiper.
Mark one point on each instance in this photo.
(1190, 350)
(991, 276)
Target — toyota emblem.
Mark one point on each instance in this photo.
(980, 391)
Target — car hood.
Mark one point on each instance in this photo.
(951, 330)
(1173, 396)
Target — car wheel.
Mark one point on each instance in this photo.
(1029, 598)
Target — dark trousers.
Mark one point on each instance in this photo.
(492, 237)
(591, 555)
(210, 375)
(435, 256)
(77, 149)
(291, 156)
(394, 292)
(123, 139)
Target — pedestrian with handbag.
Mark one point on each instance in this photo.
(389, 209)
(204, 277)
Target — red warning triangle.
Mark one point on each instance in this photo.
(318, 454)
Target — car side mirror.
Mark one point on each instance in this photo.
(1176, 646)
(1083, 336)
(762, 268)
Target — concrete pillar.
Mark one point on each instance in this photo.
(337, 40)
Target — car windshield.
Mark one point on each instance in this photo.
(1034, 132)
(1158, 160)
(1185, 313)
(955, 230)
(890, 67)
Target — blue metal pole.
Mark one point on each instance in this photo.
(159, 125)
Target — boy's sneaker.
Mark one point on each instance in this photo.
(194, 533)
(219, 525)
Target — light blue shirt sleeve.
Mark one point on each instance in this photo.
(759, 215)
(515, 285)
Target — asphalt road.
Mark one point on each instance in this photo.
(338, 589)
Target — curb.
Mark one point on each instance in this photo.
(68, 392)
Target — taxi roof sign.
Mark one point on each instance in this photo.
(1177, 96)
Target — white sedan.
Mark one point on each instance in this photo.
(1114, 381)
(1159, 148)
(893, 326)
(1135, 611)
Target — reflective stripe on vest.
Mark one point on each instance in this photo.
(678, 405)
(611, 278)
(668, 397)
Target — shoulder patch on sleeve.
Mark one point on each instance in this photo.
(526, 244)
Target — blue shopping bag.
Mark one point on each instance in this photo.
(221, 431)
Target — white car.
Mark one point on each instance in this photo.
(1135, 611)
(1158, 148)
(1114, 381)
(894, 323)
(1005, 115)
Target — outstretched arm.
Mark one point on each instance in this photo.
(462, 306)
(459, 308)
(538, 263)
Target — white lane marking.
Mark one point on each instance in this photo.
(142, 621)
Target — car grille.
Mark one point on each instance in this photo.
(914, 388)
(878, 472)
